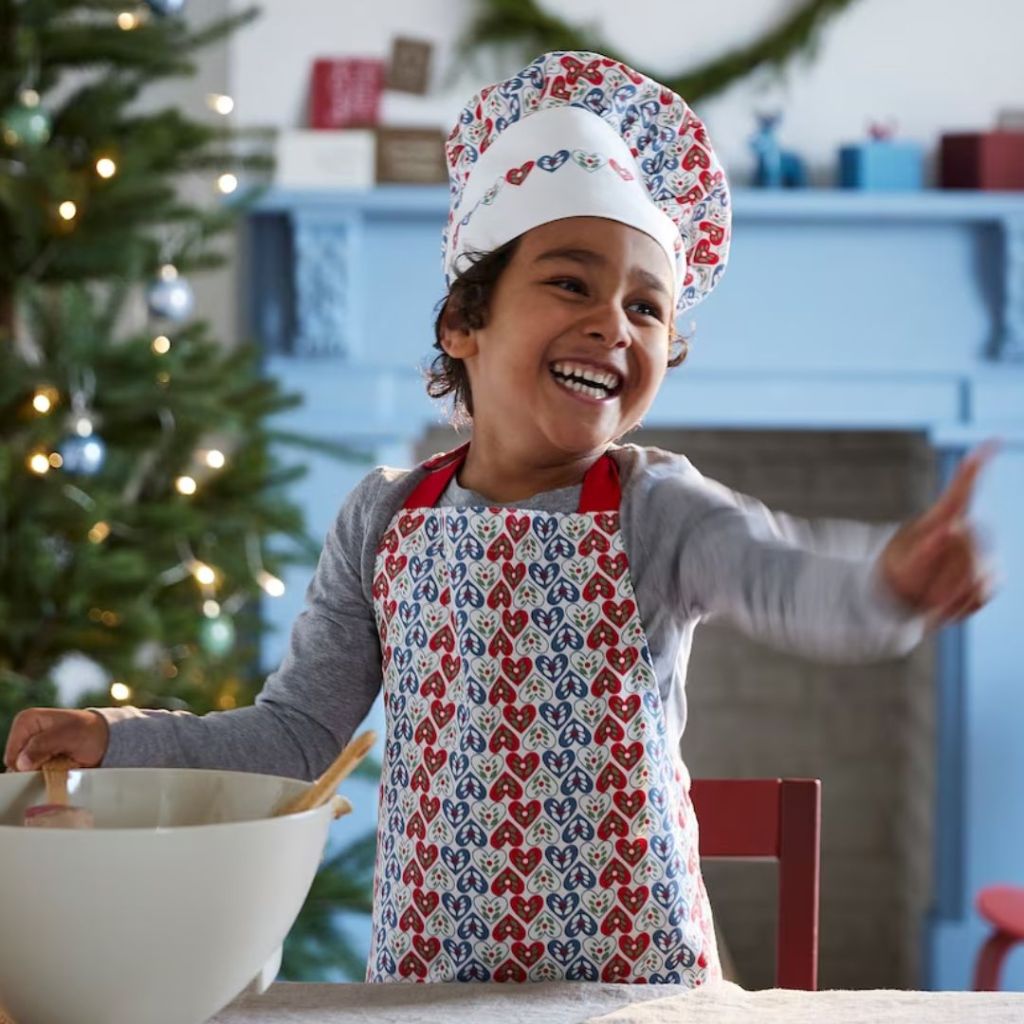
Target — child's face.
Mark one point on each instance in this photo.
(581, 296)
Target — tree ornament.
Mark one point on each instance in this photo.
(83, 456)
(166, 8)
(25, 123)
(170, 297)
(76, 676)
(217, 634)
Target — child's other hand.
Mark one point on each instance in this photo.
(37, 734)
(934, 562)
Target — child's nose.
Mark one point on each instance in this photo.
(608, 325)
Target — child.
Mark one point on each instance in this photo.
(527, 601)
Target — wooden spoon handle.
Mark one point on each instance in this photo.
(55, 775)
(324, 787)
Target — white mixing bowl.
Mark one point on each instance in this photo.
(164, 911)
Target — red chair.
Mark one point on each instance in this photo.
(1003, 907)
(778, 818)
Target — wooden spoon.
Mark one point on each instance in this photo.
(323, 789)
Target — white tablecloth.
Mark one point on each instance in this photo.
(589, 1003)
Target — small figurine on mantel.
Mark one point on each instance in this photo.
(884, 163)
(776, 167)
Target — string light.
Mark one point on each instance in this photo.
(105, 167)
(56, 459)
(211, 608)
(44, 400)
(270, 583)
(220, 103)
(99, 533)
(203, 573)
(126, 20)
(161, 344)
(227, 183)
(39, 463)
(119, 691)
(214, 459)
(185, 485)
(68, 210)
(29, 98)
(83, 426)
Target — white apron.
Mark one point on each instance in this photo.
(534, 824)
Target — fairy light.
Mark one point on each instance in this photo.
(42, 402)
(270, 583)
(55, 459)
(29, 98)
(39, 463)
(204, 573)
(163, 378)
(119, 691)
(105, 167)
(215, 459)
(83, 426)
(185, 485)
(169, 272)
(161, 344)
(211, 608)
(67, 210)
(227, 183)
(126, 21)
(220, 103)
(99, 533)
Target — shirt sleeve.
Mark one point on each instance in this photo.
(813, 588)
(310, 707)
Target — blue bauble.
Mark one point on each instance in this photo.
(166, 8)
(217, 635)
(83, 455)
(171, 299)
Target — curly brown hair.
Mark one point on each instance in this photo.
(465, 308)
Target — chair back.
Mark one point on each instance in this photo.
(781, 819)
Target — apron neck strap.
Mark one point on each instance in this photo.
(601, 491)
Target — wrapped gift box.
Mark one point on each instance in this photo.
(984, 160)
(882, 165)
(345, 92)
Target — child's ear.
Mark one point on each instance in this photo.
(457, 340)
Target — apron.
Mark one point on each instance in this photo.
(533, 823)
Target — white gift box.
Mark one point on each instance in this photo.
(325, 159)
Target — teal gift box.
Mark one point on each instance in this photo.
(882, 165)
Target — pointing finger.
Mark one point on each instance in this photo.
(956, 498)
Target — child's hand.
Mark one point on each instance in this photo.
(934, 563)
(37, 734)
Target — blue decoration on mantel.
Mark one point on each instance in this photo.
(840, 310)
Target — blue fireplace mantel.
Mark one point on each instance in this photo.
(840, 310)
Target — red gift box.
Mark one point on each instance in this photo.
(345, 92)
(984, 160)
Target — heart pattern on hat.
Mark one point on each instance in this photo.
(533, 825)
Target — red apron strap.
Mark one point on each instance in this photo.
(601, 491)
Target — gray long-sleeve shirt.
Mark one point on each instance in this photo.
(696, 550)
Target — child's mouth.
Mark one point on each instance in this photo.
(586, 381)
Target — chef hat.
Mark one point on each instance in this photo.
(580, 135)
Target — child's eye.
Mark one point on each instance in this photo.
(567, 284)
(647, 309)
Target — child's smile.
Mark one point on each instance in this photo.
(572, 354)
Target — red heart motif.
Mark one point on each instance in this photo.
(710, 181)
(615, 971)
(426, 855)
(616, 920)
(598, 585)
(607, 521)
(506, 786)
(510, 971)
(694, 195)
(635, 944)
(605, 681)
(444, 637)
(500, 644)
(696, 156)
(715, 232)
(527, 909)
(509, 926)
(409, 522)
(602, 633)
(630, 803)
(503, 738)
(381, 588)
(559, 90)
(524, 765)
(411, 964)
(433, 684)
(608, 729)
(594, 541)
(425, 732)
(514, 573)
(517, 175)
(416, 829)
(410, 921)
(446, 596)
(517, 527)
(412, 874)
(621, 660)
(389, 542)
(525, 861)
(426, 902)
(628, 756)
(515, 622)
(393, 565)
(524, 814)
(450, 665)
(442, 713)
(430, 806)
(615, 871)
(701, 253)
(520, 717)
(420, 779)
(619, 613)
(502, 690)
(501, 547)
(506, 834)
(612, 825)
(499, 596)
(507, 881)
(390, 607)
(517, 671)
(613, 566)
(433, 759)
(625, 707)
(528, 955)
(427, 948)
(632, 853)
(610, 776)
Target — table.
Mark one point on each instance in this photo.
(591, 1003)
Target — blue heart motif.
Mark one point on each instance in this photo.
(560, 810)
(468, 594)
(580, 877)
(571, 686)
(470, 786)
(667, 941)
(455, 526)
(417, 636)
(559, 762)
(563, 904)
(403, 730)
(578, 829)
(577, 781)
(563, 952)
(401, 657)
(458, 951)
(665, 894)
(396, 703)
(661, 845)
(454, 860)
(560, 547)
(567, 637)
(678, 914)
(552, 161)
(543, 575)
(469, 548)
(390, 913)
(622, 95)
(473, 927)
(545, 527)
(408, 612)
(475, 691)
(672, 978)
(457, 572)
(561, 857)
(556, 714)
(472, 739)
(563, 590)
(471, 880)
(386, 964)
(456, 813)
(457, 906)
(459, 764)
(472, 643)
(595, 100)
(425, 589)
(581, 923)
(419, 567)
(471, 834)
(432, 527)
(582, 970)
(683, 957)
(547, 618)
(574, 732)
(552, 667)
(473, 971)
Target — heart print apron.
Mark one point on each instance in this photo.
(534, 824)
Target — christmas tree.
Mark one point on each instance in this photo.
(143, 504)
